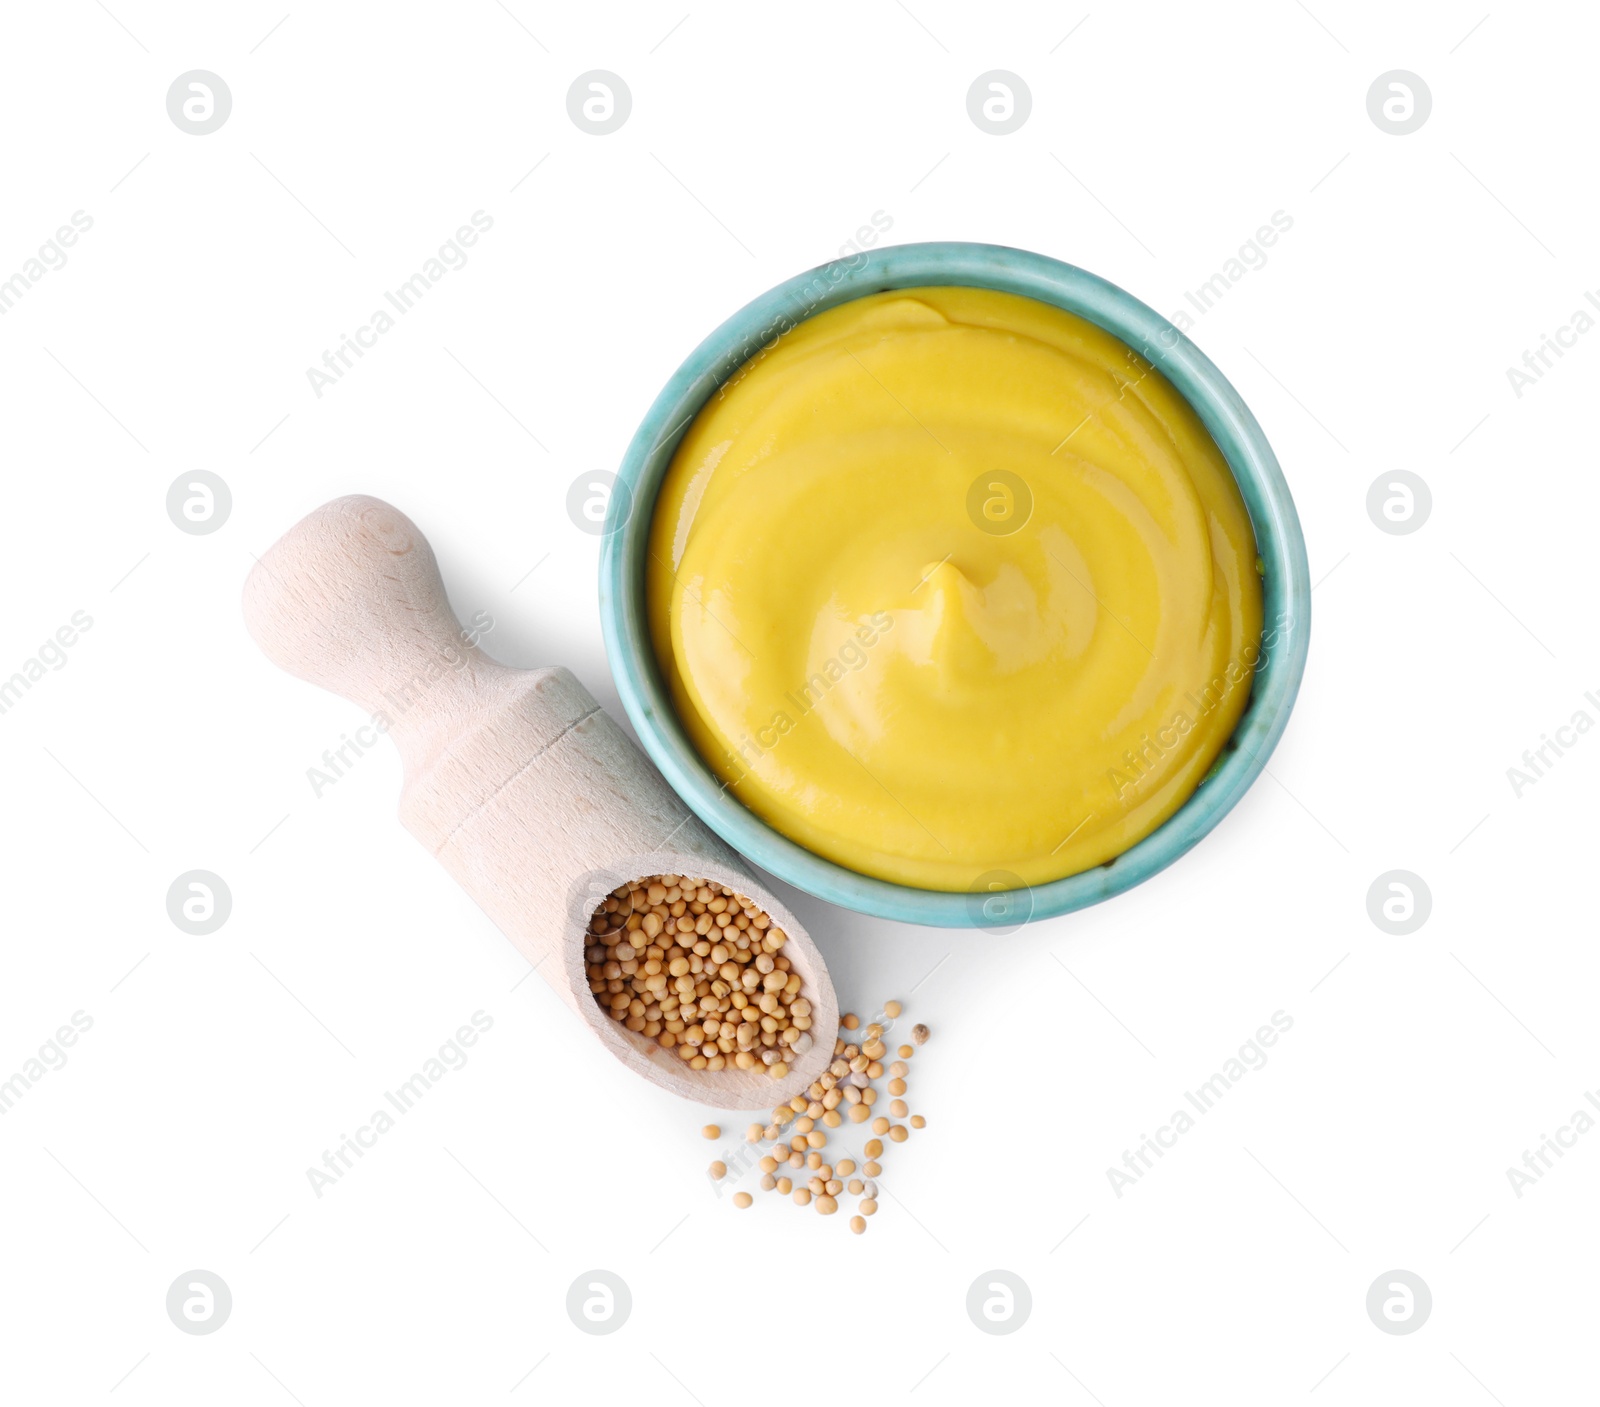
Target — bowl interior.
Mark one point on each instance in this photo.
(1286, 580)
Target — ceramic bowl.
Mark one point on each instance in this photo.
(1286, 580)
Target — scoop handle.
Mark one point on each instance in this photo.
(350, 598)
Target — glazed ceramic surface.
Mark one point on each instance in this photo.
(1286, 580)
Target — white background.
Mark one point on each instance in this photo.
(177, 338)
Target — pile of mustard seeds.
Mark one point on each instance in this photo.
(795, 1166)
(699, 969)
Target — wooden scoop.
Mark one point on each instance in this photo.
(515, 779)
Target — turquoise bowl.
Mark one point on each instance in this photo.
(1286, 579)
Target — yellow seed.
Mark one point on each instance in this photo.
(813, 1160)
(899, 1069)
(918, 1122)
(768, 1182)
(880, 1125)
(850, 1021)
(827, 1205)
(920, 1033)
(833, 1187)
(874, 1148)
(785, 1186)
(899, 1133)
(868, 1206)
(718, 1170)
(873, 1031)
(817, 1139)
(905, 1052)
(816, 1186)
(859, 1113)
(802, 1196)
(897, 1086)
(874, 1049)
(711, 1131)
(891, 1009)
(855, 1186)
(858, 1224)
(753, 1134)
(871, 1168)
(845, 1166)
(804, 1125)
(897, 1107)
(779, 1071)
(832, 1118)
(769, 1164)
(742, 1199)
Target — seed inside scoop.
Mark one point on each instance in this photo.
(699, 969)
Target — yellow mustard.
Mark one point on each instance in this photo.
(953, 588)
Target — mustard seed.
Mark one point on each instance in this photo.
(871, 1169)
(845, 1166)
(899, 1133)
(850, 1021)
(874, 1148)
(711, 1131)
(880, 1125)
(696, 968)
(858, 1224)
(918, 1122)
(897, 1107)
(891, 1009)
(768, 1182)
(742, 1200)
(905, 1052)
(920, 1033)
(827, 1205)
(855, 1186)
(867, 1206)
(897, 1087)
(718, 1170)
(802, 1197)
(785, 1186)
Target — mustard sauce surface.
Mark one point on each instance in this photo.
(951, 584)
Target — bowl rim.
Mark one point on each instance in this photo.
(759, 324)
